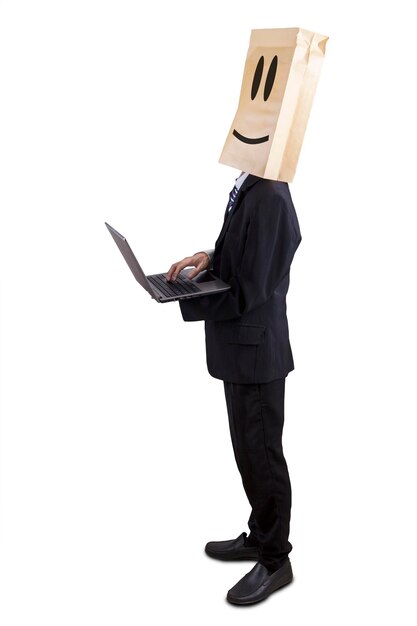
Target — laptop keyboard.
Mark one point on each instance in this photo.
(178, 288)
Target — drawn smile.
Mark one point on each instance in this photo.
(248, 139)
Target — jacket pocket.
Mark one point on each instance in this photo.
(249, 334)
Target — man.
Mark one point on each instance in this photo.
(246, 328)
(247, 343)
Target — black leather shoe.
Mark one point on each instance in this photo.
(258, 584)
(232, 550)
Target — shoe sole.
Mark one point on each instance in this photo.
(281, 582)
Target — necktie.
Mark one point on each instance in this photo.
(232, 198)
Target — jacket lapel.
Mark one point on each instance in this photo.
(247, 184)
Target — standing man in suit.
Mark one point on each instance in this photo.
(246, 328)
(248, 347)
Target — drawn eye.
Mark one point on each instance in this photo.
(257, 78)
(269, 83)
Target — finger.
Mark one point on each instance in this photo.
(170, 271)
(179, 267)
(197, 270)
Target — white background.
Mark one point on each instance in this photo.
(112, 480)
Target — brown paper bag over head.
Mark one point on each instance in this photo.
(279, 82)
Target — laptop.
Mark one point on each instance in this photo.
(158, 287)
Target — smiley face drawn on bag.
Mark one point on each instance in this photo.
(256, 83)
(278, 84)
(254, 127)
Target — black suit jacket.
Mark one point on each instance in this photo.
(247, 338)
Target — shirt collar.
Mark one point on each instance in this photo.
(241, 179)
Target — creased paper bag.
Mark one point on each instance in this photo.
(279, 82)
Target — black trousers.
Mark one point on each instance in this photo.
(256, 420)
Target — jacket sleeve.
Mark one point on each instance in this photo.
(270, 245)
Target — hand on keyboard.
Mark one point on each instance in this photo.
(200, 261)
